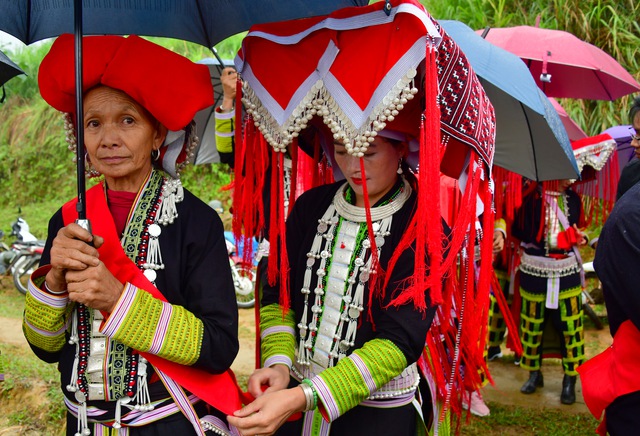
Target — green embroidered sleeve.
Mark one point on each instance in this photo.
(278, 336)
(45, 319)
(153, 326)
(354, 378)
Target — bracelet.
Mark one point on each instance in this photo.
(46, 287)
(308, 397)
(225, 111)
(306, 383)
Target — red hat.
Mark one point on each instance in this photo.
(169, 86)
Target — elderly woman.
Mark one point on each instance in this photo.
(140, 315)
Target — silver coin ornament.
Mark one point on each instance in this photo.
(150, 275)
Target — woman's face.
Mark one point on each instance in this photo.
(635, 143)
(380, 163)
(119, 136)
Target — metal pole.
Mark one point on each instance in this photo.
(81, 206)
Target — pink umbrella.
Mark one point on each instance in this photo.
(573, 129)
(563, 65)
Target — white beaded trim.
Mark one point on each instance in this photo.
(319, 102)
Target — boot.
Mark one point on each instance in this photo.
(535, 381)
(568, 395)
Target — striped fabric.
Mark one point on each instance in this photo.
(224, 130)
(47, 328)
(150, 325)
(356, 377)
(570, 313)
(278, 336)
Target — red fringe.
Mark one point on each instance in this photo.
(274, 249)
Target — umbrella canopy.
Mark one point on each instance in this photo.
(564, 65)
(200, 21)
(573, 129)
(8, 69)
(205, 119)
(530, 137)
(623, 135)
(203, 22)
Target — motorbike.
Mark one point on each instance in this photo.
(22, 257)
(243, 273)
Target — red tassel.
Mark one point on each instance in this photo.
(272, 270)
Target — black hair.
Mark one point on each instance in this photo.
(634, 109)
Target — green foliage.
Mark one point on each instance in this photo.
(609, 24)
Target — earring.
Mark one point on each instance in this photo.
(399, 171)
(88, 169)
(155, 155)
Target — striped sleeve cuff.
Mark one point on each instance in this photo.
(46, 315)
(153, 326)
(356, 377)
(278, 336)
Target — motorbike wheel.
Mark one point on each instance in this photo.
(245, 285)
(22, 271)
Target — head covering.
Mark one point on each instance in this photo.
(168, 85)
(349, 76)
(599, 169)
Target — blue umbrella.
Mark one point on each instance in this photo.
(530, 137)
(8, 70)
(205, 22)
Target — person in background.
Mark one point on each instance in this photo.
(225, 115)
(139, 315)
(551, 283)
(631, 172)
(610, 383)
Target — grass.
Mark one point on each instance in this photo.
(510, 420)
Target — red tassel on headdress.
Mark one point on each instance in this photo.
(426, 223)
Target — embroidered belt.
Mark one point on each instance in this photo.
(540, 266)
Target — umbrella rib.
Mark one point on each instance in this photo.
(603, 85)
(204, 27)
(533, 149)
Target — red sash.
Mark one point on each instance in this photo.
(219, 390)
(612, 373)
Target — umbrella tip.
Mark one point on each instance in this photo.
(485, 31)
(538, 20)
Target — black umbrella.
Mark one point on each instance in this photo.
(205, 22)
(8, 70)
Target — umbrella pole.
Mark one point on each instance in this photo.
(81, 206)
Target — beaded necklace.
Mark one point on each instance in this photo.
(155, 205)
(342, 271)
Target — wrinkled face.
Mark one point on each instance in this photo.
(119, 136)
(380, 163)
(635, 142)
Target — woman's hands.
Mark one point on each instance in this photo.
(265, 380)
(272, 406)
(268, 412)
(76, 267)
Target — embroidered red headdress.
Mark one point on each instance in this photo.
(599, 171)
(168, 85)
(347, 76)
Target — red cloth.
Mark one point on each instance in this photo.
(612, 373)
(120, 203)
(219, 390)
